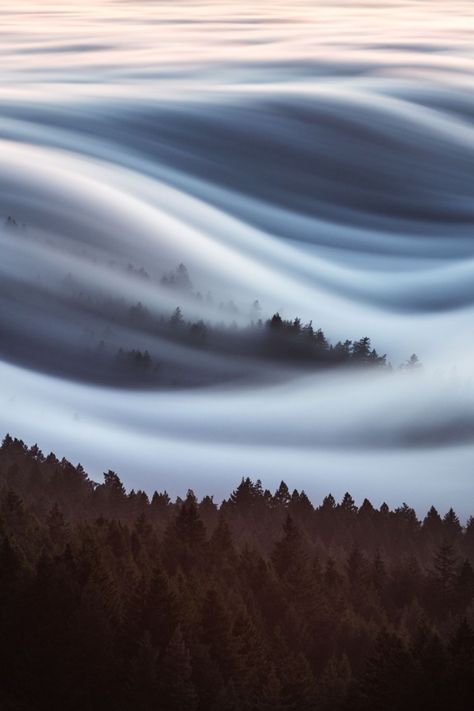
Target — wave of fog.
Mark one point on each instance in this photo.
(323, 434)
(318, 159)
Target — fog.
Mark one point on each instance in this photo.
(319, 160)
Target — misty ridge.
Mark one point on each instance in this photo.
(106, 339)
(264, 601)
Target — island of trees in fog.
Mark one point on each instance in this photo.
(288, 343)
(112, 599)
(101, 335)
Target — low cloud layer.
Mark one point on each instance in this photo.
(320, 163)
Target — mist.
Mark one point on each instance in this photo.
(316, 160)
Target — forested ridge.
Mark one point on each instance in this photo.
(116, 600)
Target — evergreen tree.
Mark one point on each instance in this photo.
(444, 575)
(432, 525)
(216, 634)
(380, 687)
(177, 691)
(143, 688)
(452, 527)
(282, 496)
(290, 560)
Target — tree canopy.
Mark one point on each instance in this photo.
(116, 599)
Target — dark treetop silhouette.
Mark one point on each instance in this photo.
(112, 600)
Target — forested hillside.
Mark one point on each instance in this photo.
(116, 600)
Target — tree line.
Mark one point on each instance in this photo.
(110, 340)
(287, 341)
(116, 599)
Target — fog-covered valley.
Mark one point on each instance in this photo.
(298, 161)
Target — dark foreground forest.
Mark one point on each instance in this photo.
(112, 600)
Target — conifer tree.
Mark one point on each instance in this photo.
(177, 691)
(143, 688)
